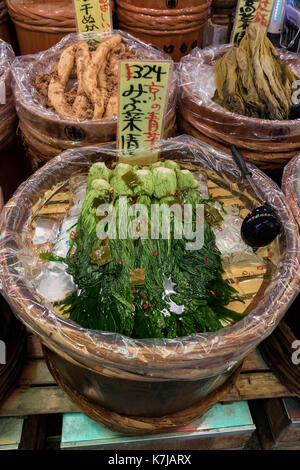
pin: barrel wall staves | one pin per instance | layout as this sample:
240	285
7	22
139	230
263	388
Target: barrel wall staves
174	26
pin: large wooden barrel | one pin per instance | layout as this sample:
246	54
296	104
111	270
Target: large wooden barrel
40	24
137	386
266	143
6	28
12	343
46	134
13	165
174	26
281	349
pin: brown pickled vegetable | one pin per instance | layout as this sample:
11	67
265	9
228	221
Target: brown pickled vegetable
94	95
252	81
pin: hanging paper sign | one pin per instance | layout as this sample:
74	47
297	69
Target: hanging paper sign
247	11
142	102
93	16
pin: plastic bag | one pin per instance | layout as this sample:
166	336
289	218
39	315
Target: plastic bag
49	133
207	118
7	109
188	358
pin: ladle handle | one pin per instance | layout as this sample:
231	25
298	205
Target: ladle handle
240	162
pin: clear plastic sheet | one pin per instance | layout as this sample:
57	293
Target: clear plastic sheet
7	110
46	125
189	358
196	89
291	186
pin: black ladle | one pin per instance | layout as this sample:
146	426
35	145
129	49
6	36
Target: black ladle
262	225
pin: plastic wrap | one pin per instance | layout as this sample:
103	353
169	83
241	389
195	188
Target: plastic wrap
189	358
196	89
45	127
7	110
291	186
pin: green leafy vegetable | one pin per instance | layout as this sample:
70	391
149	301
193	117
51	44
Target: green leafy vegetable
146	287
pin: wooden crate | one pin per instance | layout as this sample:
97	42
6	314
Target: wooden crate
278	423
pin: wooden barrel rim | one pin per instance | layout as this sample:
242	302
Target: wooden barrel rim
162	28
163	12
291	185
264	160
162	22
134	425
69	336
162	33
228	139
221	113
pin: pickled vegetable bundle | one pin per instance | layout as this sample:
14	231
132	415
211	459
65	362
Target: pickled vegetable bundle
137	284
83	84
251	80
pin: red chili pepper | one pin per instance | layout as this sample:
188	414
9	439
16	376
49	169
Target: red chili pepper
146	306
143	295
120	262
213	294
154	253
205	260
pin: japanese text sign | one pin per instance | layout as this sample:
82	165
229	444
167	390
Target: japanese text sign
143	93
93	16
247	11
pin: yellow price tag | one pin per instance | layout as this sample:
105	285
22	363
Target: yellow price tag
142	102
247	11
93	16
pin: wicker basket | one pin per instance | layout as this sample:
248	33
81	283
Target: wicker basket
266	143
113	374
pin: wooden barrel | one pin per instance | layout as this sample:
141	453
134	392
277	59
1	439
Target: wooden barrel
174	26
12	343
109	376
6	29
44	133
280	349
40	24
266	143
